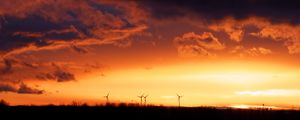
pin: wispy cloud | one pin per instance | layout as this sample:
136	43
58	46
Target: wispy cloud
193	45
271	92
241	51
22	89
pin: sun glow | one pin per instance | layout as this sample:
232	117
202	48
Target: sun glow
240	106
271	92
254	107
233	71
238	76
223	83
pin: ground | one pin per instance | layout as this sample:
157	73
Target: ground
145	113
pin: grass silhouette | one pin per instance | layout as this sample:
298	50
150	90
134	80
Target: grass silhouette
134	111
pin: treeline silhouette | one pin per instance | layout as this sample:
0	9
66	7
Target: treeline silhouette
132	111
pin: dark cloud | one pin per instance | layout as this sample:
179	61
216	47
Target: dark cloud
7	66
40	25
43	23
7	88
45	76
192	44
63	76
18	32
59	75
34	27
22	89
30	65
78	49
211	10
15	70
278	20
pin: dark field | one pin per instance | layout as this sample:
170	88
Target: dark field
144	113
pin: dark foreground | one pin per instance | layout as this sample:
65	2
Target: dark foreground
144	113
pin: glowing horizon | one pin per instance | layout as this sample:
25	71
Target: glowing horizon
56	52
208	81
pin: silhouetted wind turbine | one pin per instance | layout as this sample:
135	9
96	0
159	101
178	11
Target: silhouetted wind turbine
106	97
179	97
145	99
141	97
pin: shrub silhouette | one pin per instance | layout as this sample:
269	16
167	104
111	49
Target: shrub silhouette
3	103
134	111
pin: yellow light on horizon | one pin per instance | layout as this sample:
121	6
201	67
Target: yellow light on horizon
240	106
240	77
254	107
237	82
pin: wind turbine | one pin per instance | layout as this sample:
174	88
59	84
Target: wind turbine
106	97
141	97
179	97
145	99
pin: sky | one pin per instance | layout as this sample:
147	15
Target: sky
212	52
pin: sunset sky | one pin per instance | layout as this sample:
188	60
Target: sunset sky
213	52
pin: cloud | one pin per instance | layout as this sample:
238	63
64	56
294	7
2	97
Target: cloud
49	24
229	26
124	43
27	70
7	66
78	49
274	19
289	34
7	88
22	89
192	51
16	70
10	65
271	92
36	27
213	10
30	65
59	74
39	26
192	44
279	32
115	38
241	51
259	51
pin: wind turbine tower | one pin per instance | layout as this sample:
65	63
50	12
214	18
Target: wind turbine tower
145	99
107	98
141	97
179	98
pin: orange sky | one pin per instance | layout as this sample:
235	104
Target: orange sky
83	51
